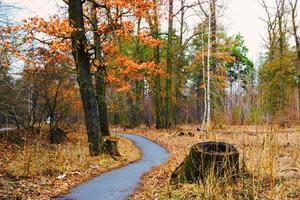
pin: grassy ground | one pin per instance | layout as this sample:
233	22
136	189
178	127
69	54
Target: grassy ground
269	160
37	170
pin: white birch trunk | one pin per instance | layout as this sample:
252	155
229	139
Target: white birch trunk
204	82
208	69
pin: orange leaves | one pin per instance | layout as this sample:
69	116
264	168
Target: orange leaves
110	78
126	71
4	65
117	82
6	45
97	62
128	63
116	3
60	46
53	47
124	30
148	40
224	56
103	28
142	8
151	68
128	68
115	25
60	26
110	49
124	87
9	29
135	71
55	26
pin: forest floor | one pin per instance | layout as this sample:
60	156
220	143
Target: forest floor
269	160
34	169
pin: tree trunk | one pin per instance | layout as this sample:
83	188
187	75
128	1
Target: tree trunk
100	78
132	112
101	101
109	146
84	77
156	54
297	43
158	103
168	114
204	84
207	159
178	82
208	117
138	84
213	26
56	135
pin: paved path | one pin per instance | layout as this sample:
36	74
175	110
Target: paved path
120	183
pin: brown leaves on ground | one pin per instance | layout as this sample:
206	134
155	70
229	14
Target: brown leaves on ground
38	170
269	156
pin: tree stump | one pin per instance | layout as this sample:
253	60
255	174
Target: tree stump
110	147
205	159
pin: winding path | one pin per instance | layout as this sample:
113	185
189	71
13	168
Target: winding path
120	183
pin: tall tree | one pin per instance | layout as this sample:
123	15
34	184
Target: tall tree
295	28
276	76
210	39
84	77
169	71
153	21
100	74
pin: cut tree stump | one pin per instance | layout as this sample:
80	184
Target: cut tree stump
110	147
206	159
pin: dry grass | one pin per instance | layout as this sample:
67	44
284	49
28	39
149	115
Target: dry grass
38	170
269	160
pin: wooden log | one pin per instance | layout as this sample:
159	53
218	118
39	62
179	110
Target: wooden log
205	159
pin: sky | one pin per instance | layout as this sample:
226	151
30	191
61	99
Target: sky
244	16
241	16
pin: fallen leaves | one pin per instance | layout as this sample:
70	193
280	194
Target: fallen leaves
58	170
155	184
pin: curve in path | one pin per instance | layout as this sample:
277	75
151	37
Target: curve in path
120	183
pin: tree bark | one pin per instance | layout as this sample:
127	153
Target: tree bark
179	81
208	117
100	78
213	25
156	54
101	101
280	6
295	27
168	113
138	84
158	102
204	83
84	77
